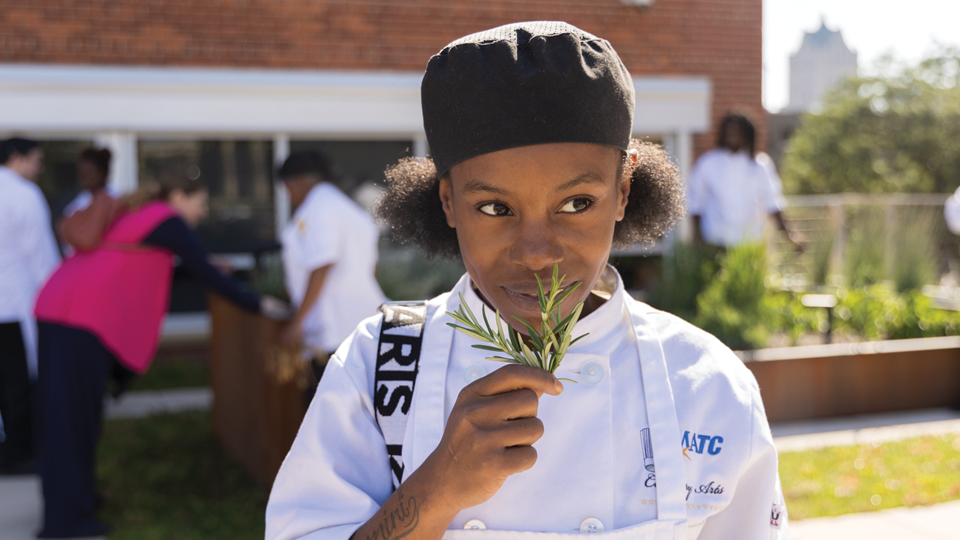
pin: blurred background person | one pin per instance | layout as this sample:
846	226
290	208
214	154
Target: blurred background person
93	169
100	315
330	259
731	189
28	254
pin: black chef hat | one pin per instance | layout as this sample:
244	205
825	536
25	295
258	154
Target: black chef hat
523	84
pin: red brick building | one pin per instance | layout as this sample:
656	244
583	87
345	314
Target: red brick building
716	39
224	88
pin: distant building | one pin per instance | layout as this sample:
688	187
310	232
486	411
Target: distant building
822	61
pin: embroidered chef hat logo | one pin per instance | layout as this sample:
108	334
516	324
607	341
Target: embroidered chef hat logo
647	449
524	84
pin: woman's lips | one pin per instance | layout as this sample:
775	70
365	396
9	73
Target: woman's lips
525	298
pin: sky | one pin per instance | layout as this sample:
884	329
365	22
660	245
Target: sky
907	28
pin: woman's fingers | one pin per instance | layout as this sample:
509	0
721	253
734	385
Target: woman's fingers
515	376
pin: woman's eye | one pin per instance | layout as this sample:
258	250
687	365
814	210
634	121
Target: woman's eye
495	209
576	205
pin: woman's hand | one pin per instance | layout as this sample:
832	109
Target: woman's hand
291	338
488	438
489	434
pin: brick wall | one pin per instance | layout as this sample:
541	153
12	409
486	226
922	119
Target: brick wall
719	39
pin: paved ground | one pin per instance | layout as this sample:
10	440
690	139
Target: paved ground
856	430
936	522
20	497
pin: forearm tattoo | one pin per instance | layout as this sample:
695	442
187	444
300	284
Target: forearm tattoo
399	522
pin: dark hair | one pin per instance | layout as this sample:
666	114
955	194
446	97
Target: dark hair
746	127
100	158
305	162
16	145
411	206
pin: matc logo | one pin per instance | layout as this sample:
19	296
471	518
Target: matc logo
693	442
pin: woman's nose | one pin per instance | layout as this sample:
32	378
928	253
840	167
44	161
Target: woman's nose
536	245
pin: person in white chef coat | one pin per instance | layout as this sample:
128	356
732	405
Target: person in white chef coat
28	254
329	257
413	433
732	189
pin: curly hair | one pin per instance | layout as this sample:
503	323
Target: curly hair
410	205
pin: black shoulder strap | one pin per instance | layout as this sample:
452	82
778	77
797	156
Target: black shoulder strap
398	362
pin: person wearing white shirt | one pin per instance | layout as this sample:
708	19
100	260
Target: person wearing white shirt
28	254
732	189
329	257
659	432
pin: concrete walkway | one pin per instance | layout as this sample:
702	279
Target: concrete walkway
935	522
20	501
865	429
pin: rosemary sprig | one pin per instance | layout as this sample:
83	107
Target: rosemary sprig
549	344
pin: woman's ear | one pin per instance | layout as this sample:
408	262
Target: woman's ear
446	199
623	190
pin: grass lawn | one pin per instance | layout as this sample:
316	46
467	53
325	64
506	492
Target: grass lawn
848	479
173	374
166	478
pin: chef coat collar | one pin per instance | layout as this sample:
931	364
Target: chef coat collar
604	320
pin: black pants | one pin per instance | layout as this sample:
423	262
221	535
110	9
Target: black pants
16	400
73	371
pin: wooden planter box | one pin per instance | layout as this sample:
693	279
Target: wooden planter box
254	417
844	379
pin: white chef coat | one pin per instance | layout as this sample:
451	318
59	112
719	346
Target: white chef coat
328	228
28	254
733	193
591	460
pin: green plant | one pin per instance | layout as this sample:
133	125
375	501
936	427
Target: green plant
897	131
915	234
686	272
733	306
268	275
864	251
405	274
549	344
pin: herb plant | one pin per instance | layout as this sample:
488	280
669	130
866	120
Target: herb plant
547	345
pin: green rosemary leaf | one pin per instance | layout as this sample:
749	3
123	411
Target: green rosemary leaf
487	348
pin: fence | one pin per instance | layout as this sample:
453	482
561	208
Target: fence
854	238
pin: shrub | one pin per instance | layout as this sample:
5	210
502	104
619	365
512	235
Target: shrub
733	306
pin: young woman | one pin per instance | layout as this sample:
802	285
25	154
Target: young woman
99	315
664	434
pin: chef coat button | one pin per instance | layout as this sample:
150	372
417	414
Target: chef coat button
591	525
474	523
591	372
473	373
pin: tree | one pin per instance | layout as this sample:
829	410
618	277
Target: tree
896	131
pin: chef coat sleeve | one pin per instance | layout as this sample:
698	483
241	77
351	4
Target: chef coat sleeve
39	246
336	475
695	187
757	510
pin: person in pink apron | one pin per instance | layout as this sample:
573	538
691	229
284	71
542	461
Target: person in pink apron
100	314
414	433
